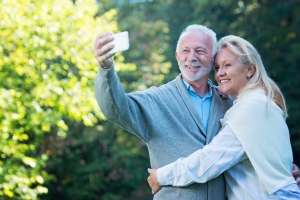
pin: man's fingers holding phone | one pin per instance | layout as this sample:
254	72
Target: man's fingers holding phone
101	47
107	44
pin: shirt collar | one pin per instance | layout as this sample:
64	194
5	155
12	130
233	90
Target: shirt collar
189	87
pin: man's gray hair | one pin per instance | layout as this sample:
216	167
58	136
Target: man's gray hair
203	29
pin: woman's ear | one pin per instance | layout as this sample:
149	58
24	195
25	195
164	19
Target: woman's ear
251	71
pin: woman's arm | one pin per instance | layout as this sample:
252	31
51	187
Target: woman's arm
203	165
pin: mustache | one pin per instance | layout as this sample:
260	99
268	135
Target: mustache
193	64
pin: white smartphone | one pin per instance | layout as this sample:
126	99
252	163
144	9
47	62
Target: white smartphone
121	42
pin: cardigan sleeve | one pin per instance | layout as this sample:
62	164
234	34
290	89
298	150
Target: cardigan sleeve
119	107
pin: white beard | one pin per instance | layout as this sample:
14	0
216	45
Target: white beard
194	77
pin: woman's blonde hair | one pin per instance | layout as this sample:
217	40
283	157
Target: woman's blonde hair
260	79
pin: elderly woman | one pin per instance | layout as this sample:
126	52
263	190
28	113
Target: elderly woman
253	147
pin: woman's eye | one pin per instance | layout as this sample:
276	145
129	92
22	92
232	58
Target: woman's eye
216	68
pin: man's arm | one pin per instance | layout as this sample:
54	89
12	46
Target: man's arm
129	111
107	84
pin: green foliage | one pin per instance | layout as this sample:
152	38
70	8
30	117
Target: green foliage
47	73
149	40
101	162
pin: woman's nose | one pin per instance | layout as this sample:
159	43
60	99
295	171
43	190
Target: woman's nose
220	72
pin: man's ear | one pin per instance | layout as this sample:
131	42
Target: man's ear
176	54
251	71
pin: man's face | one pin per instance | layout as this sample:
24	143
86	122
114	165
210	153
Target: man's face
194	56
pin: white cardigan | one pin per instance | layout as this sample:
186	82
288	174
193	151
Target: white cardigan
261	129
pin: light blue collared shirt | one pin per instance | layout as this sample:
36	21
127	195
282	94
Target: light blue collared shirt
202	104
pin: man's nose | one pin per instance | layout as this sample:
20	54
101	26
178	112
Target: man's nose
192	56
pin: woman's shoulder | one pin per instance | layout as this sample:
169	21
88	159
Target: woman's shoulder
253	94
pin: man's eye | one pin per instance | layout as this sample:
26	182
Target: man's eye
227	65
200	51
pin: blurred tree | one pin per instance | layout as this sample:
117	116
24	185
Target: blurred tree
99	162
49	117
149	41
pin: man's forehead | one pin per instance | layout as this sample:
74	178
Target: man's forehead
195	39
195	33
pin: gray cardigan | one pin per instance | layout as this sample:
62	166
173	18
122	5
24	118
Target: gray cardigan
166	119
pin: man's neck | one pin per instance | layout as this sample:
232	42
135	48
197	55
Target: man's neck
200	86
201	89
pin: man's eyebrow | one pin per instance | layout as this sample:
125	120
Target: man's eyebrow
201	47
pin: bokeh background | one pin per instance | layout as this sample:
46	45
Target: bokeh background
54	141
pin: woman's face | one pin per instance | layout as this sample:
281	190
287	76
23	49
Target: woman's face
230	73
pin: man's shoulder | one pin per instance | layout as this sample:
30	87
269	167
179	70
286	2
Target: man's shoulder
160	91
171	85
221	101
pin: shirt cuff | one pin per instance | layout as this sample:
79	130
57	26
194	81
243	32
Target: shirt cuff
160	178
165	175
107	67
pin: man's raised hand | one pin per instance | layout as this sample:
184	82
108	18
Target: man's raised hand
100	49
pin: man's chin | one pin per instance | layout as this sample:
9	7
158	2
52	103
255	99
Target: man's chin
192	78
